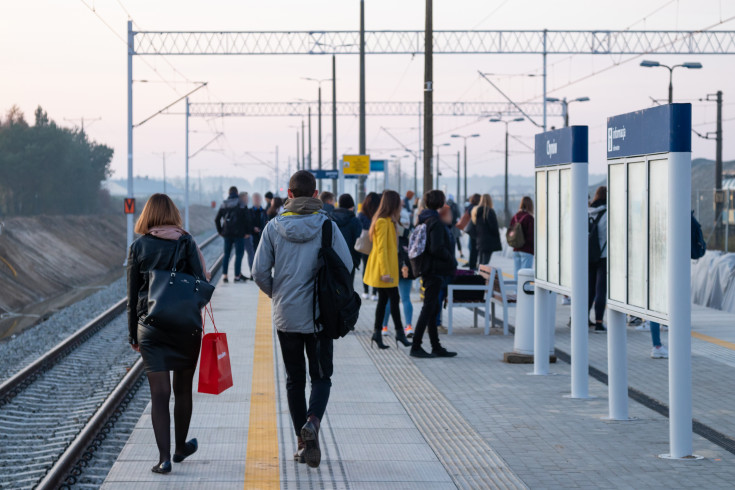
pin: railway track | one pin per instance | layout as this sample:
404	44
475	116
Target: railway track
54	411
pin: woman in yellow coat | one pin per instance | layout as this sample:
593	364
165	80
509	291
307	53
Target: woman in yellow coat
381	271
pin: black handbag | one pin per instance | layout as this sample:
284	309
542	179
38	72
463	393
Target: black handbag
176	299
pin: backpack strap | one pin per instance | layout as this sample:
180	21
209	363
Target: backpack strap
327	234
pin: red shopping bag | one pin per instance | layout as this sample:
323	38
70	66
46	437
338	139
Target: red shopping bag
215	373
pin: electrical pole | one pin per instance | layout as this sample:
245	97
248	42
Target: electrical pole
81	121
303	148
298	161
310	147
458	175
163	154
465	172
319	134
505	198
438	168
277	176
428	97
334	121
186	185
362	146
718	170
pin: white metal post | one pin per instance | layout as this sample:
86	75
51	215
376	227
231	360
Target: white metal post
541	331
580	329
130	217
341	167
544	77
186	165
679	289
617	365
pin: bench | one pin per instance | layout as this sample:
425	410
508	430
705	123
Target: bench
496	290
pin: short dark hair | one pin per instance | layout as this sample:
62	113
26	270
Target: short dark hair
326	196
346	201
269	195
434	199
302	184
233	190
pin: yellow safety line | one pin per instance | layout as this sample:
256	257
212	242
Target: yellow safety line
714	340
261	458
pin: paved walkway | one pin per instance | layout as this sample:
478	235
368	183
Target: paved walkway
468	422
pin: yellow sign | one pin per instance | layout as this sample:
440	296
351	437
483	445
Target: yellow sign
356	164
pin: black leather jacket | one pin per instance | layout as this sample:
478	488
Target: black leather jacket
149	253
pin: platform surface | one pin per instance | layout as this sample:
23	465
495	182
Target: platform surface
468	422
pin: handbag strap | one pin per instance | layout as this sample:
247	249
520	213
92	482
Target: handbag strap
208	312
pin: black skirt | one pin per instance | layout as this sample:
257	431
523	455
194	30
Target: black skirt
164	350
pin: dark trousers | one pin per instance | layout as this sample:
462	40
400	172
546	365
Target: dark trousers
385	294
364	269
250	250
319	352
598	288
427	319
484	257
239	244
472	264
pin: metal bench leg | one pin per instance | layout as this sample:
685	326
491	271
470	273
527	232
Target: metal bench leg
505	319
487	319
451	310
474	313
492	317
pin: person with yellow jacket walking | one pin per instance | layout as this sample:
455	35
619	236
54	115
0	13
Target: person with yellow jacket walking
381	271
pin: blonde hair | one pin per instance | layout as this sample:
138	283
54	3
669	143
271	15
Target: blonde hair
390	207
486	203
160	210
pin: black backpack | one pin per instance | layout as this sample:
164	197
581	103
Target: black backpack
699	246
233	217
339	304
593	237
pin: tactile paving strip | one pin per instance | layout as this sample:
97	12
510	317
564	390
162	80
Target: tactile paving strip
468	459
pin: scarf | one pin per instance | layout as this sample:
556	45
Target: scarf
302	205
173	232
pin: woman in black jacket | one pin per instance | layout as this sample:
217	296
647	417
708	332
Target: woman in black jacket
487	229
438	265
164	349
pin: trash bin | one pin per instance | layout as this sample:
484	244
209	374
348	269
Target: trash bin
523	337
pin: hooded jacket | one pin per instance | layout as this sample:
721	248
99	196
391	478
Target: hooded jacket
594	211
439	252
285	264
243	224
351	228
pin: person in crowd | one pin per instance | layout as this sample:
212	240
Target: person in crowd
327	199
465	224
232	222
445	215
406	279
486	229
407	201
597	213
249	230
275	208
381	271
369	206
417	210
268	200
258	214
350	227
438	264
658	351
523	256
456	232
285	266
165	348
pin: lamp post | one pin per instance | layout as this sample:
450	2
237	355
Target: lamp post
465	138
319	121
691	65
438	164
506	212
163	154
565	106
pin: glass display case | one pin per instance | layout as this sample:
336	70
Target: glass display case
616	247
637	234
658	233
565	224
552	221
540	220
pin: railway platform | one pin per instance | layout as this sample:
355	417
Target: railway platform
466	422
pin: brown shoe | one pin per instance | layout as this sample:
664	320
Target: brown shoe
310	435
299	454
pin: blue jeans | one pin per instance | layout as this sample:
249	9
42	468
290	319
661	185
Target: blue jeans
521	260
239	244
655	333
250	251
404	288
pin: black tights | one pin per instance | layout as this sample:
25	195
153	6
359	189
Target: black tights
385	294
160	416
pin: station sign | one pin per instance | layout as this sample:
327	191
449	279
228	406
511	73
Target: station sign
356	164
329	174
377	165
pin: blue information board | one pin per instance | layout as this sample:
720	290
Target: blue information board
330	174
661	129
562	146
377	165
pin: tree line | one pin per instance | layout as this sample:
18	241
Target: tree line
49	169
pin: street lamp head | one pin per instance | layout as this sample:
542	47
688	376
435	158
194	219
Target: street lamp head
582	99
650	64
552	99
518	119
476	135
495	119
455	136
692	65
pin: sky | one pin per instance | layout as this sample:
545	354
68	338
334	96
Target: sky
70	58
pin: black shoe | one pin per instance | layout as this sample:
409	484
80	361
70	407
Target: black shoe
442	352
599	328
310	435
162	468
421	353
190	448
378	339
240	278
224	279
401	337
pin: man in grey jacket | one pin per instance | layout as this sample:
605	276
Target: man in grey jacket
289	248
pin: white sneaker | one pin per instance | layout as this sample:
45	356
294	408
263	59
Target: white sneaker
659	352
365	295
566	300
374	297
643	327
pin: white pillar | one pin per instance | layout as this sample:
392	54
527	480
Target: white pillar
580	287
679	290
617	365
541	331
186	164
130	217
